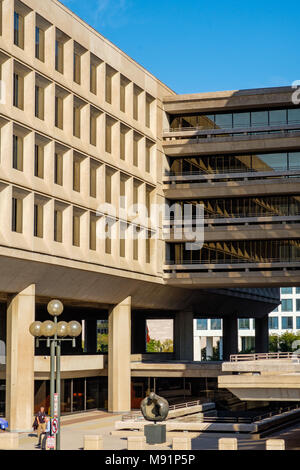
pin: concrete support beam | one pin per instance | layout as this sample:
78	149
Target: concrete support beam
230	336
181	443
92	442
184	334
275	444
136	443
20	361
262	334
119	345
226	443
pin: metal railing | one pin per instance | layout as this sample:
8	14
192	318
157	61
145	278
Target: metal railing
217	215
136	415
236	126
230	261
247	419
234	134
226	171
264	356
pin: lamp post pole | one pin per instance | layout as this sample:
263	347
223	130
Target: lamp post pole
55	334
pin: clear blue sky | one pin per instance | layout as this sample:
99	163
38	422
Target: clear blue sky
201	45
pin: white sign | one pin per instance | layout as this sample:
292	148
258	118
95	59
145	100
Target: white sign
54	425
50	442
55	411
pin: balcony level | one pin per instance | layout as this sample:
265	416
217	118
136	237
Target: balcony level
182	142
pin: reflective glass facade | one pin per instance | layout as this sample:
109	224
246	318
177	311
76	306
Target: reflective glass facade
252	251
277	161
244	119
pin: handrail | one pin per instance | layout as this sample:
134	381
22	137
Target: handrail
264	356
178	406
224	127
217	215
227	261
229	170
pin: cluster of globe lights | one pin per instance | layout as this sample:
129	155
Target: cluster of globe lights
49	328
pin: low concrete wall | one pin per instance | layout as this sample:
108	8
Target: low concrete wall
9	440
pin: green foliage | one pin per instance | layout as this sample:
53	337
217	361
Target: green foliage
102	343
156	346
283	342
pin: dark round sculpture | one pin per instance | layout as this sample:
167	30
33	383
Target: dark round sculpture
154	408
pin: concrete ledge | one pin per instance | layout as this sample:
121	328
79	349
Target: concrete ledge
9	440
174	425
136	442
227	443
93	442
181	443
275	444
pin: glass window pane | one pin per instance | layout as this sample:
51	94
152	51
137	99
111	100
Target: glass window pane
287	305
259	118
244	323
294	116
298	305
272	161
215	324
287	323
278	117
294	160
298	323
297	290
224	121
286	290
273	323
241	119
202	324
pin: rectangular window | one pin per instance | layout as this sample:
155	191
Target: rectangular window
108	85
39	161
93	78
215	324
58	222
148	247
298	323
123	132
136	243
39	102
18	30
108	135
93	128
202	324
123	227
297	290
76	121
149	100
287	323
38	220
297	305
273	323
76	230
286	290
58	169
78	51
287	305
148	201
93	180
76	174
108	237
244	323
148	157
18	91
17	153
39	44
108	183
136	139
136	92
17	215
93	226
59	56
123	84
59	112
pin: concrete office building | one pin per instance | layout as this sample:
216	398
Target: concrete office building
87	133
285	317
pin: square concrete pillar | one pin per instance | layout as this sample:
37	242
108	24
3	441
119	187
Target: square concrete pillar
184	336
136	443
20	361
275	444
182	443
119	350
9	440
226	443
262	334
230	336
92	442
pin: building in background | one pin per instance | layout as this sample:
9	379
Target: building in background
208	331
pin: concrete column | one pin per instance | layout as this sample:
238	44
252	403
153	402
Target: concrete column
230	336
209	346
119	342
91	335
20	361
184	334
262	334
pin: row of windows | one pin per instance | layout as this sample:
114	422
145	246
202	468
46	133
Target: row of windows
234	163
78	52
289	290
59	233
127	140
287	305
244	119
39	165
287	323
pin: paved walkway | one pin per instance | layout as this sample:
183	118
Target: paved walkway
74	428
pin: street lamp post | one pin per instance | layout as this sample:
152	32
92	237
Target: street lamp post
55	332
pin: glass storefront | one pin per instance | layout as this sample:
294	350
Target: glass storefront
77	395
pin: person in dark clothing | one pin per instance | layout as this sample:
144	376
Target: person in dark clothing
46	433
41	417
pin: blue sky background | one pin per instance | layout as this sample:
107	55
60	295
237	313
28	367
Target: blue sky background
197	46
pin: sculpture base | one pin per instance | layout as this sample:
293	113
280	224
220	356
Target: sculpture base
155	433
